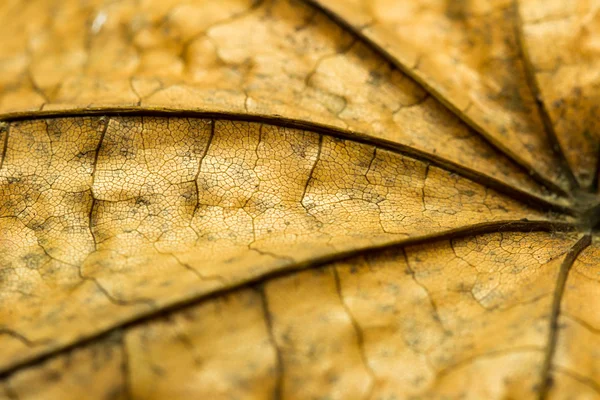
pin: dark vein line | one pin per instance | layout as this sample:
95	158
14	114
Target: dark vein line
200	161
594	186
373	157
132	87
437	95
126	369
360	339
561	281
310	174
491	354
579	378
16	335
581	322
590	219
93	174
542	110
149	303
6	130
432	303
193	270
279	369
286	270
100	141
426	175
269	253
516	193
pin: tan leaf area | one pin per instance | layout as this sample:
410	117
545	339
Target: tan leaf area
288	199
270	58
562	41
436	326
93	372
467	54
578	347
129	214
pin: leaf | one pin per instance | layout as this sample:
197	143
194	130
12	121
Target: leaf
277	199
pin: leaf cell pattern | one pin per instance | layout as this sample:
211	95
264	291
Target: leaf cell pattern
299	199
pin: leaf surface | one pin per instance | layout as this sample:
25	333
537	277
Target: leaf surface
562	49
298	64
280	199
468	55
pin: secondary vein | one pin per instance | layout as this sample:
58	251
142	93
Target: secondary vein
561	281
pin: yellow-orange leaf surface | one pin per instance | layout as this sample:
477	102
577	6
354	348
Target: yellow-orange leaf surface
299	199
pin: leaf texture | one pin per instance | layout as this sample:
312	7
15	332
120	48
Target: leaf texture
467	54
298	200
298	64
566	76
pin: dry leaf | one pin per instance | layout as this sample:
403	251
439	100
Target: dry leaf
299	199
